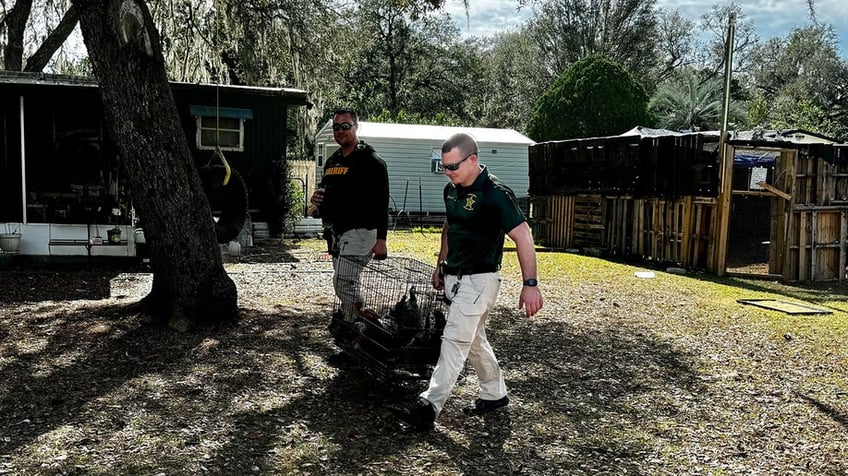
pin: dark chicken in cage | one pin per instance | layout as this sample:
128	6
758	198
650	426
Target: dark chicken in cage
388	316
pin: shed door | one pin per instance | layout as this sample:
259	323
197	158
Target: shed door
751	237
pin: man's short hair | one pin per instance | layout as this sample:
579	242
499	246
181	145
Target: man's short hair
462	141
347	110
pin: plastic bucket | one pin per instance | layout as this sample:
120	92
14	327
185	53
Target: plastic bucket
10	242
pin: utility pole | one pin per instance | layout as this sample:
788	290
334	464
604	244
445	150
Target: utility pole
726	158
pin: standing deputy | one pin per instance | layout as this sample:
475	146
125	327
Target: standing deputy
480	210
353	202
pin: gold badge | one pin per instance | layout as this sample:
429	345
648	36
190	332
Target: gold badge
469	202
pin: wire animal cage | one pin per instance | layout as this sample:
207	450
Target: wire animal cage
388	316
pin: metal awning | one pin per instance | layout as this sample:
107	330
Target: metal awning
212	111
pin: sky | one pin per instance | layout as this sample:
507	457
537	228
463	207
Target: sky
771	18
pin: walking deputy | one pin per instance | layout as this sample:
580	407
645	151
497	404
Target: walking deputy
480	210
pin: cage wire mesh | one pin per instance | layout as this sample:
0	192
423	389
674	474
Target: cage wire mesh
388	316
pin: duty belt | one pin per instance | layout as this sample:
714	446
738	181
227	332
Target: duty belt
461	271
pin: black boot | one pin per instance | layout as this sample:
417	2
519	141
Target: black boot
420	416
482	407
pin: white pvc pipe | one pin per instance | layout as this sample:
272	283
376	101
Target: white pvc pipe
23	166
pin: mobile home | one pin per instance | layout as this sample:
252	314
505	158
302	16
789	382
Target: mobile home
61	185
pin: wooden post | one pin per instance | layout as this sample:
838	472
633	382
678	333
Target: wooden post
790	170
802	247
568	231
656	245
812	180
625	222
723	209
667	230
687	260
814	237
822	192
843	233
639	227
727	155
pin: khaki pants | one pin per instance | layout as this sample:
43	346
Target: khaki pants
465	338
353	248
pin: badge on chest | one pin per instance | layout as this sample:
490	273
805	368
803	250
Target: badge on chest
470	201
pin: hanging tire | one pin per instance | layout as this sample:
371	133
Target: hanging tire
228	202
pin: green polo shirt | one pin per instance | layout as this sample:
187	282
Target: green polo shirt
478	217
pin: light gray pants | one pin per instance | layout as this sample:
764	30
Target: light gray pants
465	338
353	247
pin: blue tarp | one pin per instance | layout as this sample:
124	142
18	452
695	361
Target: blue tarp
749	160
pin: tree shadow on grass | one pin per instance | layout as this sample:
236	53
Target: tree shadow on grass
816	293
598	390
145	398
258	397
46	284
580	402
63	361
828	410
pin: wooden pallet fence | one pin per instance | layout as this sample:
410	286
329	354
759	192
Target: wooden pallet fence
618	233
669	199
676	231
816	246
589	221
553	220
810	244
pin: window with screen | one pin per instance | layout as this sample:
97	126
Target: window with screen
220	126
225	132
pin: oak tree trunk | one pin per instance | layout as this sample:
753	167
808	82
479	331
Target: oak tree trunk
190	285
16	20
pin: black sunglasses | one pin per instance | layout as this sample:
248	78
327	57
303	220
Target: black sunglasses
455	166
345	126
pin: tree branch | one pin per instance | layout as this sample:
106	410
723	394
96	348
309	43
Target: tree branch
16	20
53	42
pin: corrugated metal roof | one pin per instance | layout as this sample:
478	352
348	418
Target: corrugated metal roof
643	132
46	79
440	133
794	136
20	77
649	132
252	89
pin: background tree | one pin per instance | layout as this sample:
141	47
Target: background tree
688	102
712	55
516	77
624	31
408	63
675	45
594	97
188	39
786	112
801	79
56	20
